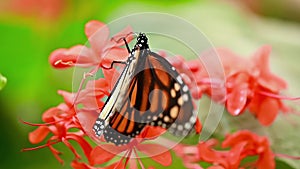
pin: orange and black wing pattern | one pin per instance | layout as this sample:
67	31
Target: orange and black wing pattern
156	96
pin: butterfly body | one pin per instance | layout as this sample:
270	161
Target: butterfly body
149	91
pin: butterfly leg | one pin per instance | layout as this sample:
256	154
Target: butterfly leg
112	64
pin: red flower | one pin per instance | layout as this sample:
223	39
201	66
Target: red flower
106	152
254	89
58	121
253	145
241	144
103	49
83	107
249	84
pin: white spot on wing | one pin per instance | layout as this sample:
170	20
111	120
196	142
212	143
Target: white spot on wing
179	79
187	125
185	97
185	88
179	127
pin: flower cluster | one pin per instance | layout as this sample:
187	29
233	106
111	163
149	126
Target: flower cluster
249	84
239	146
72	120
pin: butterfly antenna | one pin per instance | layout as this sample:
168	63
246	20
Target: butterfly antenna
124	39
128	49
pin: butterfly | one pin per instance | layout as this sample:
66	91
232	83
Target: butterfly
149	92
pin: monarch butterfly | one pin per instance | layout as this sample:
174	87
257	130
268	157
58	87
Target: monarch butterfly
149	91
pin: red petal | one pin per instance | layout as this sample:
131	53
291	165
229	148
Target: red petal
266	160
68	144
238	137
267	79
39	134
100	156
194	65
231	62
207	154
114	54
93	26
58	59
98	84
132	163
112	76
157	152
63	107
68	97
97	33
268	111
104	153
115	165
261	57
198	126
77	165
216	167
49	115
176	61
87	120
234	155
78	55
151	132
237	99
86	147
196	92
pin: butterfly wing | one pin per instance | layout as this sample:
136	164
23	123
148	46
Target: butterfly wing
156	96
149	92
178	113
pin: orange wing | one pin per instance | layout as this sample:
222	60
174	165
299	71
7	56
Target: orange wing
156	96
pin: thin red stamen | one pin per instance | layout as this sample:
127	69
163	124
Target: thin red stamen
127	158
275	96
41	124
138	158
67	143
85	75
126	153
39	147
288	156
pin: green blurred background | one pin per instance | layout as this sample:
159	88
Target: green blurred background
31	29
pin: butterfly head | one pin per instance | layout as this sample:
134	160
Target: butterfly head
142	41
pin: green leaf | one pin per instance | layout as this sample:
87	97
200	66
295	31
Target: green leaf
3	81
282	164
